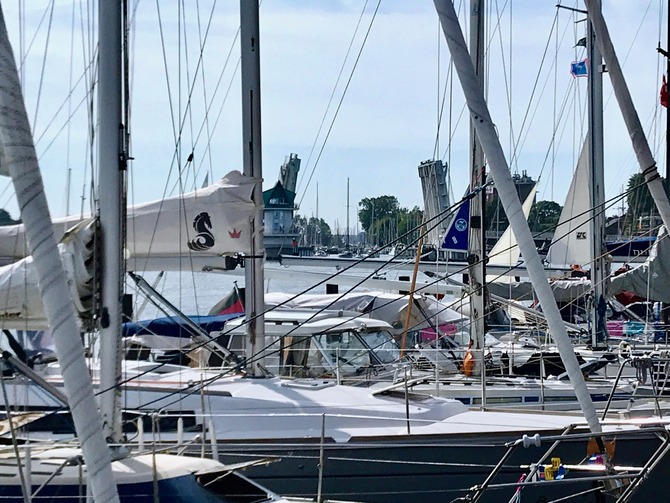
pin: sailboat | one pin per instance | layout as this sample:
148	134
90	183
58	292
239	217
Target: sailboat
85	470
314	437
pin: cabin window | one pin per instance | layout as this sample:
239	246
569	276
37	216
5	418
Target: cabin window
294	352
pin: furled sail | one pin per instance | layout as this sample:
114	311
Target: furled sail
188	232
21	305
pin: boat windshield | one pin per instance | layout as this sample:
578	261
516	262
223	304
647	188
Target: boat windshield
383	345
346	346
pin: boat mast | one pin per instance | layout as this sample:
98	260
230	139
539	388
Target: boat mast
318	222
251	156
19	160
635	131
111	165
597	182
498	167
477	231
347	241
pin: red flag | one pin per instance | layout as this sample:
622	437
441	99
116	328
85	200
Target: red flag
233	303
664	93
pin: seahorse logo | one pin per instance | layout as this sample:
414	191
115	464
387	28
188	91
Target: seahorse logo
204	240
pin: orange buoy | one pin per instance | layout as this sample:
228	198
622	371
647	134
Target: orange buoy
468	361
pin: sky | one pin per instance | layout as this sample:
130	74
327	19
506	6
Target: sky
361	91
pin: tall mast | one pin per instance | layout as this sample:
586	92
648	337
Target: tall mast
499	169
631	119
477	231
597	187
251	156
19	160
111	166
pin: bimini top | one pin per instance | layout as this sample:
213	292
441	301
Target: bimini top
310	321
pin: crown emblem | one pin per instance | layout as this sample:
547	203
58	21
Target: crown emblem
235	234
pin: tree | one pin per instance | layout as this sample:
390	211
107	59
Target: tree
409	221
313	231
544	216
6	218
322	231
375	209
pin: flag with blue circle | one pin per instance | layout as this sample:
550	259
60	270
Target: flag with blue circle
456	237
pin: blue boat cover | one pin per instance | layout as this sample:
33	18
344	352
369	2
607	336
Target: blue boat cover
175	326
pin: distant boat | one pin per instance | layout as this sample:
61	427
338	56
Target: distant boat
634	249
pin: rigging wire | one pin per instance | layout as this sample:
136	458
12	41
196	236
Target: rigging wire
167	78
523	130
332	94
339	105
196	388
68	181
44	64
438	218
208	151
89	53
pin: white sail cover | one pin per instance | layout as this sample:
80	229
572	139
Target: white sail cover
21	306
183	232
571	243
189	232
210	222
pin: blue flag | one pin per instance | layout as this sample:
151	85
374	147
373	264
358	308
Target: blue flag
579	68
456	237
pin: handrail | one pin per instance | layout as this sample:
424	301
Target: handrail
624	480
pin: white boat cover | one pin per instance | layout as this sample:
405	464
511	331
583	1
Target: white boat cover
565	290
388	307
650	279
173	233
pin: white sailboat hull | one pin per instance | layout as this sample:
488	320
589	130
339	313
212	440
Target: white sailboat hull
372	451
